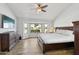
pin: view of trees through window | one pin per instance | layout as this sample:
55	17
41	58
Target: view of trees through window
35	27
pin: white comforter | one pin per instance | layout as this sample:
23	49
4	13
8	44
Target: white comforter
49	38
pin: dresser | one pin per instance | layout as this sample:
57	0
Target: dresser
76	37
8	40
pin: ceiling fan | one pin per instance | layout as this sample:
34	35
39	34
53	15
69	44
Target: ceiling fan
40	7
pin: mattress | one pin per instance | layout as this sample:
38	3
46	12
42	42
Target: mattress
50	38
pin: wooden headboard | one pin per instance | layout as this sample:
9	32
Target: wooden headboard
65	28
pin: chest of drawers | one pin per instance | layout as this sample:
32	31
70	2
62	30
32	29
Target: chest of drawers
8	41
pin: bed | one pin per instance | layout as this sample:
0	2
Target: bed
63	38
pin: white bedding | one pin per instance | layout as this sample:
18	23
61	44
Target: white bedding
49	38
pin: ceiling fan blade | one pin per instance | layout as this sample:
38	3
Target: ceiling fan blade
44	6
43	10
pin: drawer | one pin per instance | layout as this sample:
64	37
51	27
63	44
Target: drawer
12	41
12	45
12	37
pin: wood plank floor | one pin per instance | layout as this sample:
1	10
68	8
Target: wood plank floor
30	47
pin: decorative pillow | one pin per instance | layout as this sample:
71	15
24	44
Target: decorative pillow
51	30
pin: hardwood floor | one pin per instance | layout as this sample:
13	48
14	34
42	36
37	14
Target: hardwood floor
30	47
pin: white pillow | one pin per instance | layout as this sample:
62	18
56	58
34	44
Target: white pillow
69	32
59	31
66	32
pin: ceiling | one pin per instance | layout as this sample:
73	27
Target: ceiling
27	10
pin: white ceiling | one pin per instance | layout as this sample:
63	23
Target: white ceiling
27	10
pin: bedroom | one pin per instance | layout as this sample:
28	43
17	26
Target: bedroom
35	27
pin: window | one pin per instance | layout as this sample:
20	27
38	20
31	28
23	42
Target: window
8	25
35	28
25	28
45	27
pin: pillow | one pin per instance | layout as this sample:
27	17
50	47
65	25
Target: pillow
69	32
65	32
59	31
51	30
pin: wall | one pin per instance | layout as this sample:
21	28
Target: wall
5	10
68	16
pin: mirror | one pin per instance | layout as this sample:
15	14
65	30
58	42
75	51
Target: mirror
7	22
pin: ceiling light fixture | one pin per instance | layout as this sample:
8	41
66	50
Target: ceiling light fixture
40	7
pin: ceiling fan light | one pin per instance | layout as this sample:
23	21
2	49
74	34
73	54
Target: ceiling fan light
39	10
